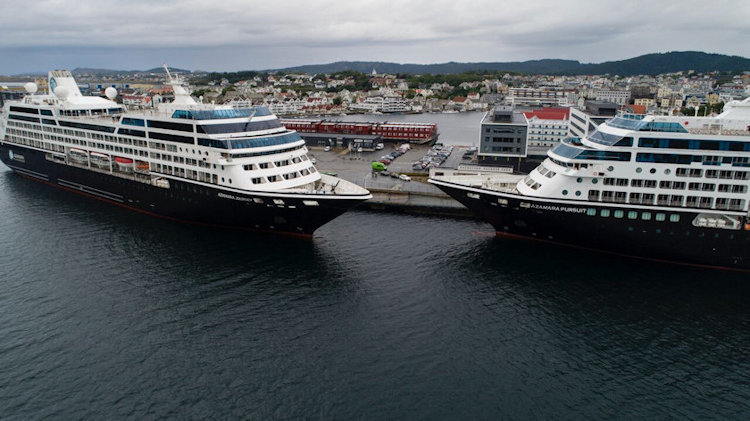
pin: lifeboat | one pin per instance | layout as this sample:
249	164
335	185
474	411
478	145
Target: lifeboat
78	155
124	164
100	159
141	166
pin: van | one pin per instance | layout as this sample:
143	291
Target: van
378	166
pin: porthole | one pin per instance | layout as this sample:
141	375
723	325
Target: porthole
595	180
222	179
565	192
639	170
579	179
578	192
610	168
652	171
667	171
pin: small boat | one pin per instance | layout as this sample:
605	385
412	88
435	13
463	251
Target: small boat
141	166
100	159
78	155
124	164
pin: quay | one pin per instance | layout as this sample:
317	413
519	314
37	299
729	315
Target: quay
390	193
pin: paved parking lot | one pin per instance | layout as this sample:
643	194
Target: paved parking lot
357	167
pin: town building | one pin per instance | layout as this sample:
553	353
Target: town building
586	120
503	136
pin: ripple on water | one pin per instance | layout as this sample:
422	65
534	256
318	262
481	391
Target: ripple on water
107	313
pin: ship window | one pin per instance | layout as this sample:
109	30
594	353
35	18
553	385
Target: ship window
170	126
129	132
46	112
23	118
660	217
310	202
171	137
133	121
591	212
619	214
674	217
25	110
604	213
632	215
646	216
213	143
247	126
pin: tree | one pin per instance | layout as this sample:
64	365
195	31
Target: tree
337	100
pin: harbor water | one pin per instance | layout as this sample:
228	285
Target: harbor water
109	314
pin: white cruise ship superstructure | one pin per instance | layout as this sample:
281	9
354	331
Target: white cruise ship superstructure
671	188
202	163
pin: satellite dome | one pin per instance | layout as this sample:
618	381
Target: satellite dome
31	87
62	92
110	92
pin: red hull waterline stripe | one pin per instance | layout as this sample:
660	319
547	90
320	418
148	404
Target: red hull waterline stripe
613	253
169	218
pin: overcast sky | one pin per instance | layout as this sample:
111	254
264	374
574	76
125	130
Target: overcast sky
226	35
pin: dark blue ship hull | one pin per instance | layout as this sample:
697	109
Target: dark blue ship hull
183	200
625	230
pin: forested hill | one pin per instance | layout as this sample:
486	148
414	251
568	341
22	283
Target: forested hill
645	64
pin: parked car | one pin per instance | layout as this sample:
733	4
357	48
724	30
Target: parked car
326	149
379	146
385	161
404	177
394	175
379	166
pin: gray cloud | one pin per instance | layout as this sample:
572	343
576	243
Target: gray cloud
132	34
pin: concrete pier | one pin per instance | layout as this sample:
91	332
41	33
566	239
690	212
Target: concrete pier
389	193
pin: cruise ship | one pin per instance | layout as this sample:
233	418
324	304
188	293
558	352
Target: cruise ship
201	163
666	188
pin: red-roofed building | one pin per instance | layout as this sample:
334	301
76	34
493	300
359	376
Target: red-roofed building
546	127
637	109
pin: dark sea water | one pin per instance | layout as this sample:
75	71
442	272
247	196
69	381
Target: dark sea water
108	314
